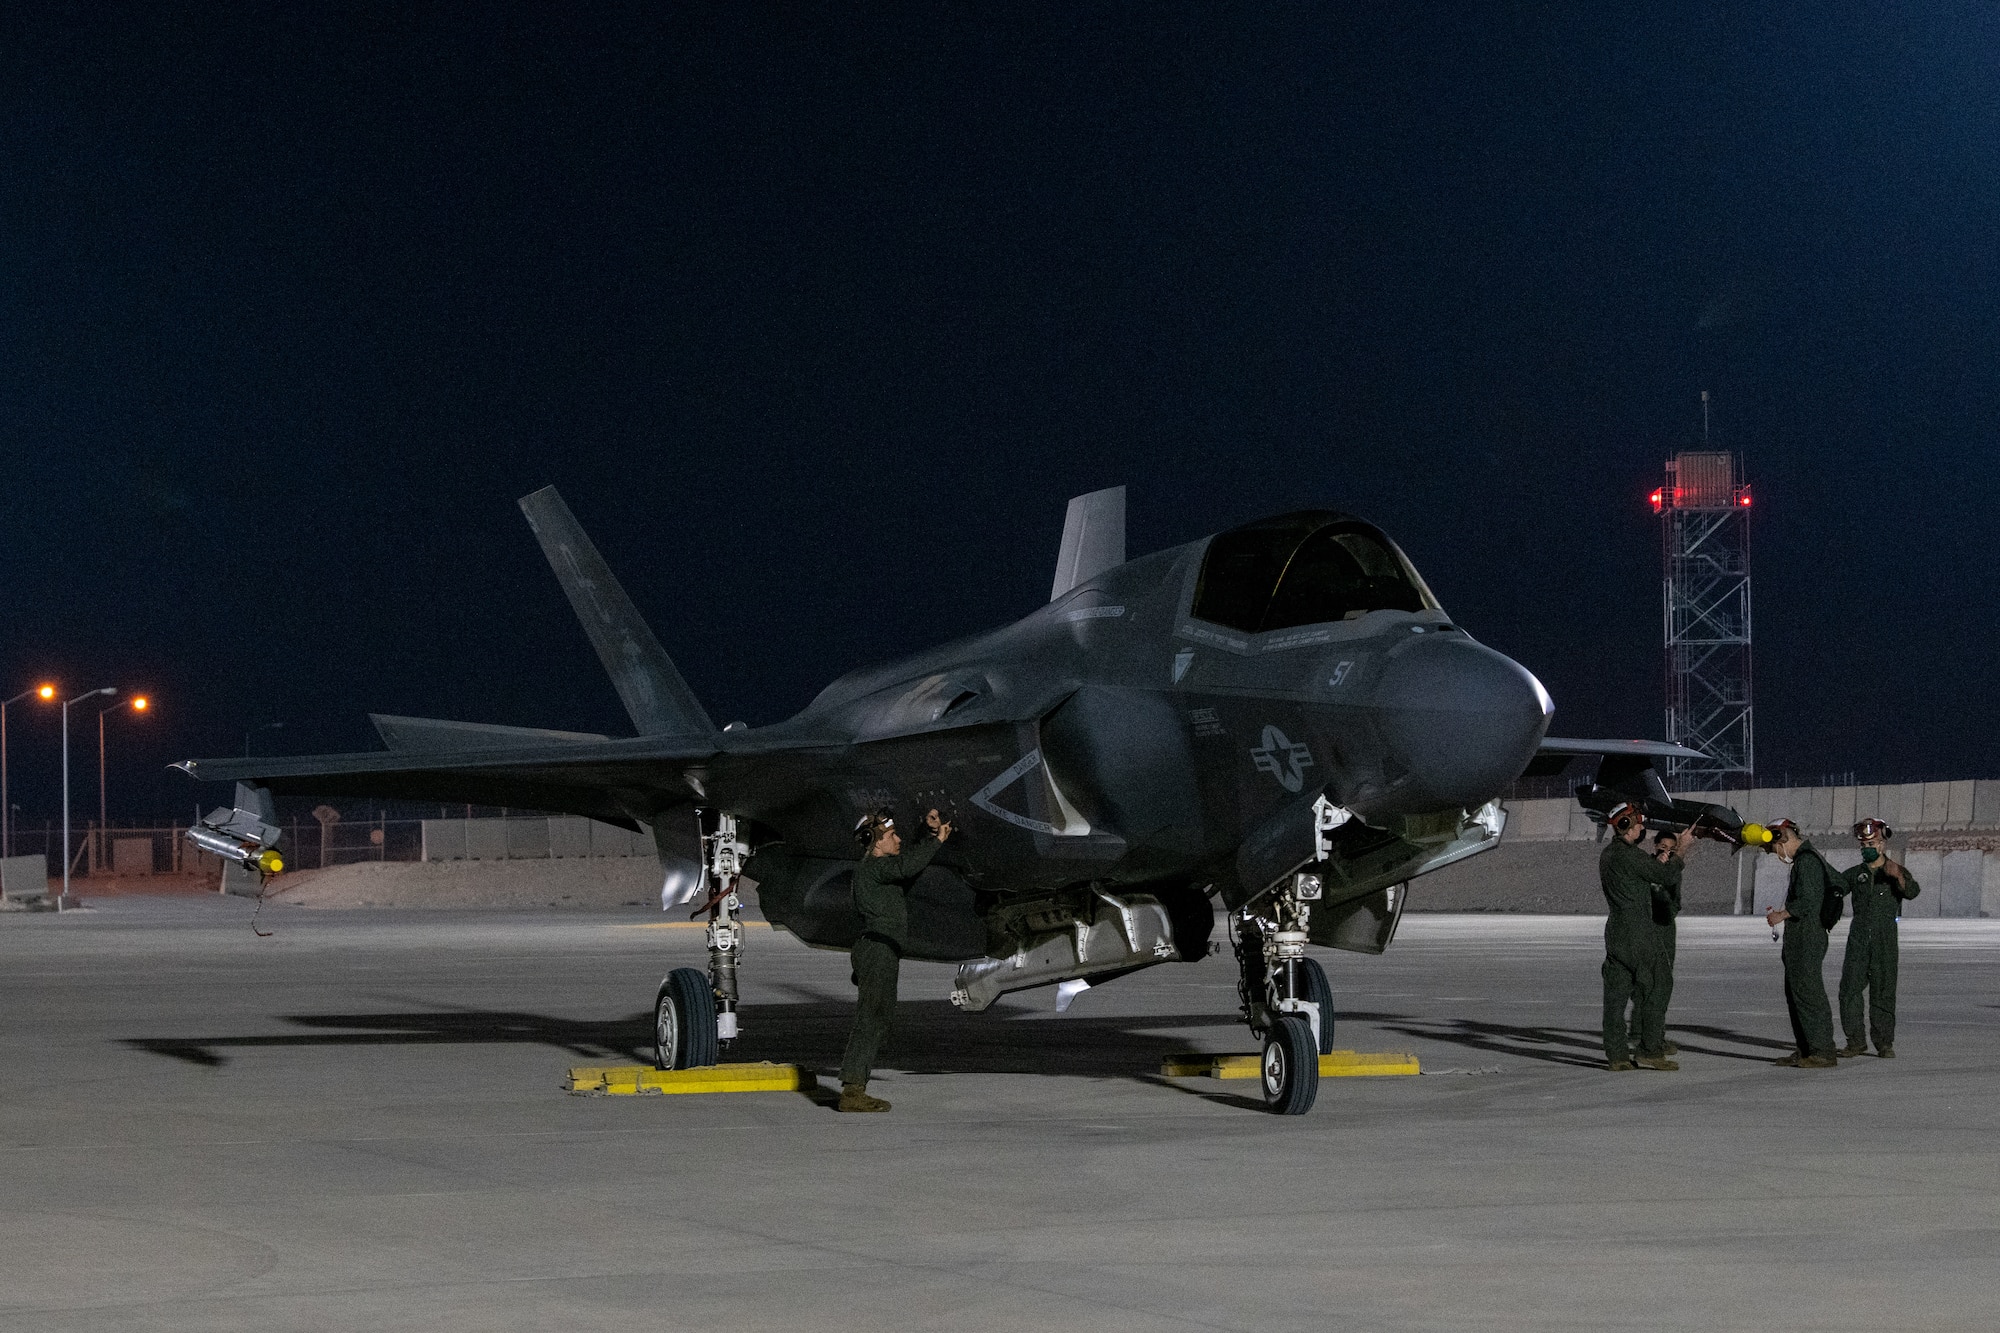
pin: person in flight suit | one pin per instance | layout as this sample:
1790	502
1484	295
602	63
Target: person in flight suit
1666	911
1812	906
1633	964
1877	887
879	882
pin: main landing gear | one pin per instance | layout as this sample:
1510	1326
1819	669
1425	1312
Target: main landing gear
1286	999
694	1015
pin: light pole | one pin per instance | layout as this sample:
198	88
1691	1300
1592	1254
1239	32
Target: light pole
44	693
87	694
138	705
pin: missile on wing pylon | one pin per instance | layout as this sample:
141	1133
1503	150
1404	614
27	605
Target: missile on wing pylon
246	834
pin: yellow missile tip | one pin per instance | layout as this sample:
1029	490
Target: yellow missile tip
270	863
1756	833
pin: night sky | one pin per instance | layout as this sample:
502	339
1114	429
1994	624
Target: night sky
818	318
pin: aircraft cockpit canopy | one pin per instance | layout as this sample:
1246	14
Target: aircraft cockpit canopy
1306	568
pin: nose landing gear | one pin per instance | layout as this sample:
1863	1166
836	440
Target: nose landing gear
1286	999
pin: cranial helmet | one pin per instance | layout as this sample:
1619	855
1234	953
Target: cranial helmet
1624	815
1873	828
872	826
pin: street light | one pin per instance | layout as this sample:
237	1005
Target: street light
44	693
137	704
87	694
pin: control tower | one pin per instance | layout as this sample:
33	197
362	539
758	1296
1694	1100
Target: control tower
1704	509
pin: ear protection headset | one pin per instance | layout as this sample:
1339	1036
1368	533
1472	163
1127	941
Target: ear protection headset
1873	828
1624	817
872	826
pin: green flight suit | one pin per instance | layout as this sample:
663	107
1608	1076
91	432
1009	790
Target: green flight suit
1813	899
1869	966
1666	933
1634	965
879	882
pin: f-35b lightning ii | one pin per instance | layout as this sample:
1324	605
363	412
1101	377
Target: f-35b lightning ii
1281	717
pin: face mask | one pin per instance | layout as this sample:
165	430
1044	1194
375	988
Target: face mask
1870	855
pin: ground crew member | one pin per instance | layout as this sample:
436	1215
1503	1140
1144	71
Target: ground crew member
886	870
1877	887
1666	911
1812	906
1633	964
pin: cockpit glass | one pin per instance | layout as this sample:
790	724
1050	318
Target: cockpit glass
1302	569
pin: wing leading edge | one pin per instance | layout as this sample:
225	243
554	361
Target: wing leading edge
1652	749
601	779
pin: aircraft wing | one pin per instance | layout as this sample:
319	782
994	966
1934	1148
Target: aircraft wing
581	777
1555	752
1566	745
1627	776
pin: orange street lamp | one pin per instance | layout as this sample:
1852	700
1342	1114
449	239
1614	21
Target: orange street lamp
87	694
44	693
138	705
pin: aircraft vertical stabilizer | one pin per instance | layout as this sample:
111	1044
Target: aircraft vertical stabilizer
660	702
1093	538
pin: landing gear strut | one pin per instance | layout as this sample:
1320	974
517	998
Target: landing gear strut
694	1016
725	857
1286	1000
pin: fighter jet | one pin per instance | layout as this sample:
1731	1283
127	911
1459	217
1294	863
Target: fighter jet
1280	719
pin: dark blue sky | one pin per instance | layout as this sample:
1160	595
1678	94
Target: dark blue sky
817	319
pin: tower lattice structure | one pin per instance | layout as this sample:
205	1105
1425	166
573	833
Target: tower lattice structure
1705	527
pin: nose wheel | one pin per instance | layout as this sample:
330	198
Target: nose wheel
1291	1067
1316	988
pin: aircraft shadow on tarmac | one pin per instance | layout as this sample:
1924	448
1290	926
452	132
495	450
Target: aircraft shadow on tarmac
931	1037
1581	1047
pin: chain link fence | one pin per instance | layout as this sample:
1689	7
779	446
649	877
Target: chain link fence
316	842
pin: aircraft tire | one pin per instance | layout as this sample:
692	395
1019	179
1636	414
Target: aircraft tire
1320	993
1291	1067
684	1021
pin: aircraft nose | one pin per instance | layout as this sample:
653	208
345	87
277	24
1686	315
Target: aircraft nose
1459	720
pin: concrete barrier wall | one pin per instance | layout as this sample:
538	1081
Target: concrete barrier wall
535	839
24	877
1909	807
1955	883
1560	875
1960	883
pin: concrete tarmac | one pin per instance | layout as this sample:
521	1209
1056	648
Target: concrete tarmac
356	1124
